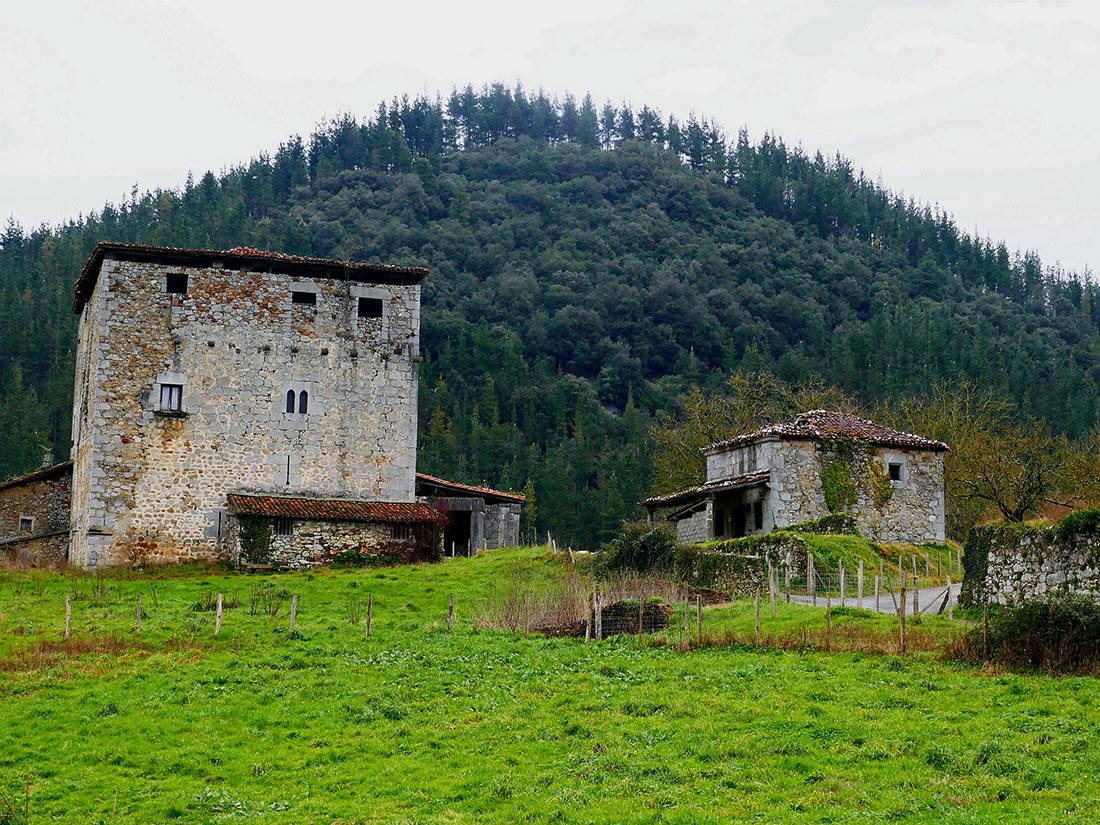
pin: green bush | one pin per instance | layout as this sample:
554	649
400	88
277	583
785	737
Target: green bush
1080	523
642	547
1058	635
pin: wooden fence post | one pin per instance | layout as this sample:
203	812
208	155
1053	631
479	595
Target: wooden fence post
828	621
698	620
758	617
859	585
599	613
293	611
843	582
787	577
139	613
218	615
811	576
878	589
916	596
370	614
901	616
950	604
450	612
589	606
68	616
773	585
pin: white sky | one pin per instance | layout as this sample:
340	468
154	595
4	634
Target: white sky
991	110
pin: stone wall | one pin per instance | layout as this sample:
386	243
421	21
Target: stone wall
313	543
34	516
502	525
1006	565
908	510
697	527
150	483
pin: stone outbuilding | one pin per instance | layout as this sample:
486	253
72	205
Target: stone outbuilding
34	516
206	373
478	518
819	462
292	532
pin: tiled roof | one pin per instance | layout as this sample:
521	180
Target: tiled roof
237	257
56	471
726	484
817	425
334	509
454	486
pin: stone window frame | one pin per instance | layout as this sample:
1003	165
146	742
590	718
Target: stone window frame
26	524
304	395
359	291
168	380
891	461
303	288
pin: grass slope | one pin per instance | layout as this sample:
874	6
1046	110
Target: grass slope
420	725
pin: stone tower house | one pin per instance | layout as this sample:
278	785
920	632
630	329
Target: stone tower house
203	373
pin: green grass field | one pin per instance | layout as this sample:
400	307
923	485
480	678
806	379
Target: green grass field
418	724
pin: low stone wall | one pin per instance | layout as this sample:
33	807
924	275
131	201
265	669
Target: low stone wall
1008	564
316	542
44	550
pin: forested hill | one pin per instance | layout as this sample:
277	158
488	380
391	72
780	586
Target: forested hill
588	267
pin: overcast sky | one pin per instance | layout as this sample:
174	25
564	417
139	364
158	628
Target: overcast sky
991	110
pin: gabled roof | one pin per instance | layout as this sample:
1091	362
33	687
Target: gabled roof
821	425
703	490
236	258
332	509
44	474
424	480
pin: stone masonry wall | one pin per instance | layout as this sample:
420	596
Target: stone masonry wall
914	511
45	502
150	485
1031	565
502	525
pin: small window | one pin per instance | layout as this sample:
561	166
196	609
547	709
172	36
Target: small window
26	524
303	402
895	471
719	522
370	307
175	284
171	397
283	527
758	514
290	401
308	298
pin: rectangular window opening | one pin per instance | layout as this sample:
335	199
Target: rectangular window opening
171	397
758	514
895	471
370	307
283	527
305	298
26	524
175	284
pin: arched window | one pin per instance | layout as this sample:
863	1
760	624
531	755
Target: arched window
303	402
290	401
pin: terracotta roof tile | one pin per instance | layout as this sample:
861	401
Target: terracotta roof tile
335	509
469	488
817	425
56	471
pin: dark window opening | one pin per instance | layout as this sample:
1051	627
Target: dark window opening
370	307
303	402
895	471
175	284
304	298
758	514
171	397
26	524
290	401
283	527
719	523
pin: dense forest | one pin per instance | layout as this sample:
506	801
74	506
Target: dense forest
590	267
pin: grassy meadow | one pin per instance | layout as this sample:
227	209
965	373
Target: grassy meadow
421	724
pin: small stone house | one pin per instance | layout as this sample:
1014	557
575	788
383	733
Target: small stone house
819	462
478	518
34	516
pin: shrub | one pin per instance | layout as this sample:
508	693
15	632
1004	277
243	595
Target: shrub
1058	635
1080	523
642	547
834	524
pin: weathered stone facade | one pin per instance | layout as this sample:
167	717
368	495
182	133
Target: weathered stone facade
1021	564
890	482
201	372
34	516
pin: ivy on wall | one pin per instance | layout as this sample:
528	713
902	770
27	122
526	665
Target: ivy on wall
254	535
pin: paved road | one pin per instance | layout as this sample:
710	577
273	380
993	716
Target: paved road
887	605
